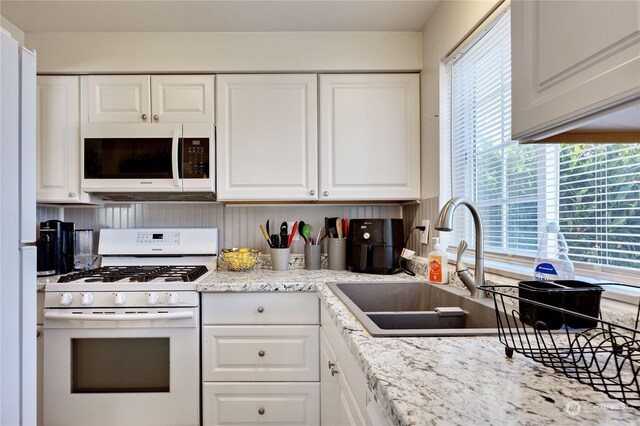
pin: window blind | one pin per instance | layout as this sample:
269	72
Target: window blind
591	191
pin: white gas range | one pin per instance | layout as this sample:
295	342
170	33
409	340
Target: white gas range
121	342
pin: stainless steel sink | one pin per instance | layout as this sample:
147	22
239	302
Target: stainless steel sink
397	308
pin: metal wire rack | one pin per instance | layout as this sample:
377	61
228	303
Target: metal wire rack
605	356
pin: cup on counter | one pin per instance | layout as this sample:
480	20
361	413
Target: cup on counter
83	253
312	257
280	259
337	253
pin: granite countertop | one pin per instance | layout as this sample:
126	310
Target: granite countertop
451	380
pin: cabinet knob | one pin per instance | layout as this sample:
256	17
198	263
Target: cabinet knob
71	194
325	193
261	354
261	411
260	309
331	365
334	371
144	117
156	117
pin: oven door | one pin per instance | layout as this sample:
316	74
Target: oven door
121	367
128	157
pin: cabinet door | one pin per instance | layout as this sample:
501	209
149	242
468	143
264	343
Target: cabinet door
369	137
266	137
260	353
58	139
571	59
328	384
348	412
182	98
118	98
261	403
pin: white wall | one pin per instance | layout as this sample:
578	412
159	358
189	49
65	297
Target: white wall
226	52
15	32
449	25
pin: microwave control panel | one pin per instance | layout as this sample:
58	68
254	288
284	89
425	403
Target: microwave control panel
195	158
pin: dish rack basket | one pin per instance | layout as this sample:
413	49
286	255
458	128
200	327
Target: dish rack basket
605	356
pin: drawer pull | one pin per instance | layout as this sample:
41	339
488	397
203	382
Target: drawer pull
261	354
260	309
331	365
261	411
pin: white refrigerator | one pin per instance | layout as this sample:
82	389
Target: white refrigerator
18	282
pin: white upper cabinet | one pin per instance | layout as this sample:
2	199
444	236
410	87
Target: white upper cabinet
150	99
571	60
118	98
182	98
267	137
58	140
369	137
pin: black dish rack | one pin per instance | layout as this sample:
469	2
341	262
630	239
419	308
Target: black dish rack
605	356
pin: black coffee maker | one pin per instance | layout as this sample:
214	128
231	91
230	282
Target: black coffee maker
375	245
56	247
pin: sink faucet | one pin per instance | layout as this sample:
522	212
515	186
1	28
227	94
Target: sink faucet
445	223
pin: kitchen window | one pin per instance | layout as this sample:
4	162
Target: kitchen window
591	190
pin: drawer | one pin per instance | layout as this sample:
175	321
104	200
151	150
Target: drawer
261	403
260	308
272	353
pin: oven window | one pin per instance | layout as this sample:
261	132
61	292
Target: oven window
120	365
133	158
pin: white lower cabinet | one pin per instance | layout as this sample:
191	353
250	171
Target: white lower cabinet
344	397
260	357
261	403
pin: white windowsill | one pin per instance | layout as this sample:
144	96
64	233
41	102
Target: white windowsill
625	295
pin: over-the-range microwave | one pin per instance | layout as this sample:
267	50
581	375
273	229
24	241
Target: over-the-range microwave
164	161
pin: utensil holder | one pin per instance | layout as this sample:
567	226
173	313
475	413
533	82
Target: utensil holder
337	254
312	257
280	259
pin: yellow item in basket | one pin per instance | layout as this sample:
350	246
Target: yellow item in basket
240	259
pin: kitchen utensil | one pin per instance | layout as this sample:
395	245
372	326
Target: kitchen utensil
306	232
265	234
330	226
284	235
275	241
301	231
241	259
339	227
345	227
322	234
294	229
268	232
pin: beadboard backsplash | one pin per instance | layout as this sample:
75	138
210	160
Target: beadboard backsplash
238	225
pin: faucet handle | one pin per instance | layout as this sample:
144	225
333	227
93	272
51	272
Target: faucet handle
460	266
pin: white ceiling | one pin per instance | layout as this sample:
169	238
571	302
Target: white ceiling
218	15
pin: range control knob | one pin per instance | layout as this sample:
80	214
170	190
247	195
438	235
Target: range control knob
152	298
86	298
65	299
119	298
173	298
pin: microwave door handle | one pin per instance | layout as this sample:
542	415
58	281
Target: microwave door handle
174	158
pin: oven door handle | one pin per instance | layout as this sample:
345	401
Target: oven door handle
174	158
118	317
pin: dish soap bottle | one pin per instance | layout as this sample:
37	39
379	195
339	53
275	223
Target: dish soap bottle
552	259
437	263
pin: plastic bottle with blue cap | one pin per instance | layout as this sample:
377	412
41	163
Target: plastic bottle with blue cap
552	260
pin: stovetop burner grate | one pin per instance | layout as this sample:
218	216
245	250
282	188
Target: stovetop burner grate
110	274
